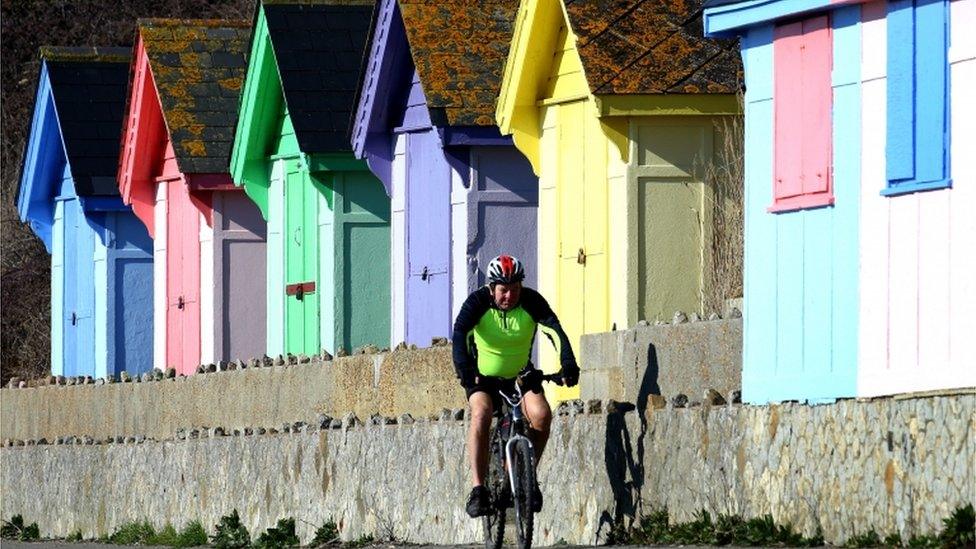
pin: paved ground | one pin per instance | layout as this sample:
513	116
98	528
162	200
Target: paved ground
7	544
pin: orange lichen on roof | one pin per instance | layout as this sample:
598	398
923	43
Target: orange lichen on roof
85	54
651	46
197	67
459	48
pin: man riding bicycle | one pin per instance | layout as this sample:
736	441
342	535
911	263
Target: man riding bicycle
493	337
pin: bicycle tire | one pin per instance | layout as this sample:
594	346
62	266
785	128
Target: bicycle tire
494	523
524	467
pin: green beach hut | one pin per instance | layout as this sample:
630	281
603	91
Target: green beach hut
328	217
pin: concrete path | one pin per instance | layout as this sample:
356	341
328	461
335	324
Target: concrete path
7	544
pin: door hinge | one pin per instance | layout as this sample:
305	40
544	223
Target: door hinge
581	257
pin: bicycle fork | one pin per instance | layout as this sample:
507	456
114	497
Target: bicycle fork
509	448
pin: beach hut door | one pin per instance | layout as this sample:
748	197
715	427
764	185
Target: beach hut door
301	261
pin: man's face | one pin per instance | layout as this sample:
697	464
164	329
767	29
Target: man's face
507	295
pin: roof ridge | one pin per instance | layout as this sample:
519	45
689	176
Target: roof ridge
84	54
174	22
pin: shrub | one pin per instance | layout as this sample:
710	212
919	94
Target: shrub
282	535
326	534
230	533
15	529
192	536
133	533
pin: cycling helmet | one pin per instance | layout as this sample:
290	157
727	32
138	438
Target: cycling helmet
505	269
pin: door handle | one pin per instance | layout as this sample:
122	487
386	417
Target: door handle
180	303
74	318
581	257
298	236
424	275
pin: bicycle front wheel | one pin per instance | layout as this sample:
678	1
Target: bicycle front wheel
524	468
494	523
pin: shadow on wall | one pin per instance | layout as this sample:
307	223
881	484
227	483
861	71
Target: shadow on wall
625	470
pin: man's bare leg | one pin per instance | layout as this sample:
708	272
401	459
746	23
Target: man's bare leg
536	408
481	410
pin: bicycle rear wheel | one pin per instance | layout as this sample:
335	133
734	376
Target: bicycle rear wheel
494	523
524	468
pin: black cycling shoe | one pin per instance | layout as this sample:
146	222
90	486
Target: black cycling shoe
536	498
479	502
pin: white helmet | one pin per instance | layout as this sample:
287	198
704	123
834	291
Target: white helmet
505	269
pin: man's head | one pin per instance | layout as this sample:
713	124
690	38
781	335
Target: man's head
506	296
505	275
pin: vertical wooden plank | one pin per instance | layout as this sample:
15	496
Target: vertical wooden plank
104	352
596	286
312	303
276	261
57	290
570	292
820	244
131	300
846	156
900	128
873	324
903	288
788	110
760	322
962	222
463	280
160	284
548	252
816	106
790	328
930	80
210	315
331	281
934	299
398	237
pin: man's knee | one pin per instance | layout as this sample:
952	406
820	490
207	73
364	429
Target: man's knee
540	415
481	410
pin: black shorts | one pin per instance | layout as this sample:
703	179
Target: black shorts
531	382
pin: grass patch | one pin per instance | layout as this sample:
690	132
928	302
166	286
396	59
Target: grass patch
16	529
656	528
144	533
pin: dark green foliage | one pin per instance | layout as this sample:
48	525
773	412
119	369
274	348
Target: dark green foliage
230	533
364	540
867	539
77	536
167	536
959	529
282	535
656	528
16	529
133	533
327	534
192	536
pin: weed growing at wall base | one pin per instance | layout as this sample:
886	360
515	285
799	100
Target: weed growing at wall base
15	529
281	535
230	533
143	533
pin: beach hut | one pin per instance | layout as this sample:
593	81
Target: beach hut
617	106
208	237
859	195
101	255
461	193
328	276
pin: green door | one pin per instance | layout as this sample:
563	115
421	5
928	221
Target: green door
301	262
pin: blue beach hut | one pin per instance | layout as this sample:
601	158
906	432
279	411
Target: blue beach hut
101	255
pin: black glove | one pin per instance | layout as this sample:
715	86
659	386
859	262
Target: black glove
468	377
571	373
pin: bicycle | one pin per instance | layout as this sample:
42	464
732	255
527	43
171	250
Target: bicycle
511	470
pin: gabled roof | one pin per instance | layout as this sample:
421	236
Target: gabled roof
75	129
651	47
318	48
459	48
198	67
89	87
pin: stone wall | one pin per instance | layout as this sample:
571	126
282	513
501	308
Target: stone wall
896	465
676	358
680	358
420	382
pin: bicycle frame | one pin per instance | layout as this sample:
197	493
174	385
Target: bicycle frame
517	427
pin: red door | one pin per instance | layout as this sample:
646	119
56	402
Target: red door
182	279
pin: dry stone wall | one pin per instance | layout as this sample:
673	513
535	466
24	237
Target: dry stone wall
896	465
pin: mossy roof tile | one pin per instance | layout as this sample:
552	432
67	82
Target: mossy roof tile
459	48
651	47
198	66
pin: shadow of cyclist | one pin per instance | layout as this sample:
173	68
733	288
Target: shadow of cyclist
625	467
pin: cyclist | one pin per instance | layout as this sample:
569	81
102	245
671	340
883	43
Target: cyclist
492	340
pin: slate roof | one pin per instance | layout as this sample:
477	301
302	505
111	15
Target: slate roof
459	48
198	66
89	87
318	48
651	46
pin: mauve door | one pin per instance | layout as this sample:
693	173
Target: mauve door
428	306
240	259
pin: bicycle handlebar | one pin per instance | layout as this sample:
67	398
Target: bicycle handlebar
556	378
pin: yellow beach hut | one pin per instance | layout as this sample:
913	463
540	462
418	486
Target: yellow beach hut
617	105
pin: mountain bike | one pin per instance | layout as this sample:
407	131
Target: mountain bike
511	470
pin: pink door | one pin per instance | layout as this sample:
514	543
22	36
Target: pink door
182	279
